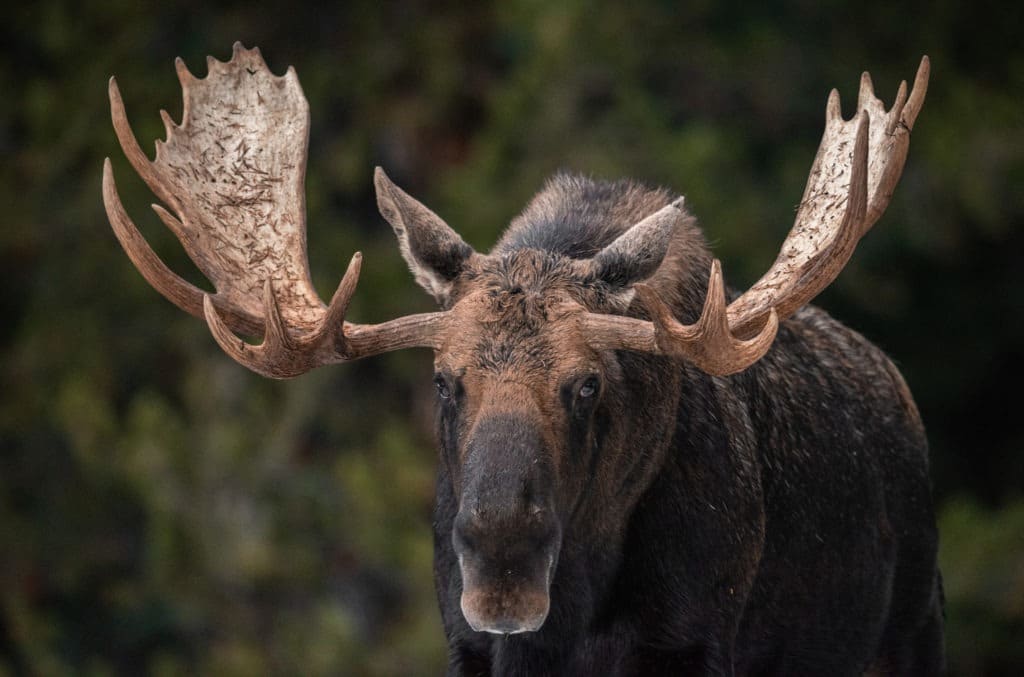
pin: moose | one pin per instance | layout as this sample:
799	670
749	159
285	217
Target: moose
641	471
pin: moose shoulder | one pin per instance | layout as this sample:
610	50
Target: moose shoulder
640	472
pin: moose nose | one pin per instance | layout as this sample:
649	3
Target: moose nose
506	533
505	612
506	568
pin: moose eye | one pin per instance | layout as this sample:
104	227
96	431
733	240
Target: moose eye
443	391
589	387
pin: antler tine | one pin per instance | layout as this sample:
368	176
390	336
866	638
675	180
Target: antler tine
183	294
866	93
281	355
277	357
340	341
916	100
338	307
890	141
897	108
709	343
174	288
180	292
130	145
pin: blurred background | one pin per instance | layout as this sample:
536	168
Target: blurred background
163	511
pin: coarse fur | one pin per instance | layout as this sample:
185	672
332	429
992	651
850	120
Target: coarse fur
776	522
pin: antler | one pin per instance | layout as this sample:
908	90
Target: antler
851	182
232	173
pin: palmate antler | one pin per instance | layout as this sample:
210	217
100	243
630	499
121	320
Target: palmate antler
232	173
851	182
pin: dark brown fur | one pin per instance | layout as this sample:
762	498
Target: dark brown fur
774	522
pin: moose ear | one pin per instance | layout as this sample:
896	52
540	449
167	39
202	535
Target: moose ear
435	253
637	253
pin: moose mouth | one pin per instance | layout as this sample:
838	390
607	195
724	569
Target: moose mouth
506	600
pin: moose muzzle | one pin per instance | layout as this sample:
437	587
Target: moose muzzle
506	534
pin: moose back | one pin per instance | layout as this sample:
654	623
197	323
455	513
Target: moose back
640	471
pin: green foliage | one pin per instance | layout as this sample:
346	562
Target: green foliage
983	560
163	511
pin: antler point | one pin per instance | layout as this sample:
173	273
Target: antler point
867	90
833	109
917	93
184	74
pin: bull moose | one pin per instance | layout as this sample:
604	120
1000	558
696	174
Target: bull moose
641	471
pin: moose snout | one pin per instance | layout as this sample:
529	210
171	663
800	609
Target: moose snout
506	569
506	533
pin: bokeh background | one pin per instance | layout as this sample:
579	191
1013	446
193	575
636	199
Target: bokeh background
163	511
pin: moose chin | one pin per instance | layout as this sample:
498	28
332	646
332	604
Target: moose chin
641	470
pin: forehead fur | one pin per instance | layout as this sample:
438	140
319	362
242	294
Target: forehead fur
513	304
519	307
530	280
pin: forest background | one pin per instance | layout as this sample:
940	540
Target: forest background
164	511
